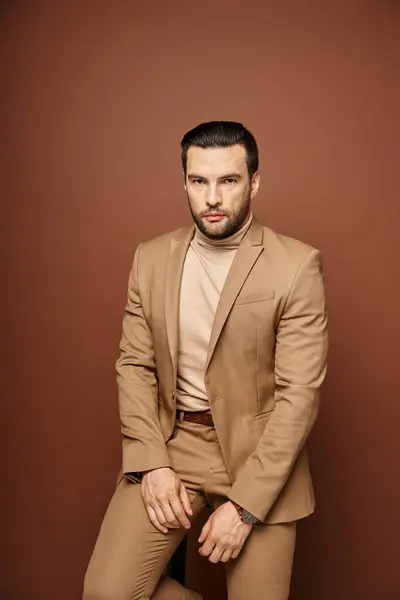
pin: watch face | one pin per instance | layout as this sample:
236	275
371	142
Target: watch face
248	517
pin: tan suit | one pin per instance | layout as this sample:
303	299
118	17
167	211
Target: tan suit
266	362
265	365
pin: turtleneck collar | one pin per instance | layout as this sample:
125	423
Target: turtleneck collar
229	243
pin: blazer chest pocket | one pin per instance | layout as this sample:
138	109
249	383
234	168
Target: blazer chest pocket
250	298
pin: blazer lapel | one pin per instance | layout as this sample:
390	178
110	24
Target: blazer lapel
178	249
248	252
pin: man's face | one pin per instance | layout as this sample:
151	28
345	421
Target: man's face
218	189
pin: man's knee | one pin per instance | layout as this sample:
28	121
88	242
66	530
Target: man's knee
103	590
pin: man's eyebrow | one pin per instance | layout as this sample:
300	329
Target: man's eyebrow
230	176
225	176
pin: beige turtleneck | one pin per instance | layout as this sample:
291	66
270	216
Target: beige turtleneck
205	270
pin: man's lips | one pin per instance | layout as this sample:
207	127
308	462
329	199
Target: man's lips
214	216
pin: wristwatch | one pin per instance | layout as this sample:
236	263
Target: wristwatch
245	515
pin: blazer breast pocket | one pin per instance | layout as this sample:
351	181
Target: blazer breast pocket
250	298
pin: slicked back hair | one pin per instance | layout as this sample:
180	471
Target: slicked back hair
221	134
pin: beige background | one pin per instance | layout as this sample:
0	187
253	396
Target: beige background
97	95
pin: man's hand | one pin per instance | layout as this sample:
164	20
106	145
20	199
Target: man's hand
165	499
224	534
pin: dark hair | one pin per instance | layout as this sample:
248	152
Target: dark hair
221	134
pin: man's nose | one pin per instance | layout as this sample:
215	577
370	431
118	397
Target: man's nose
213	196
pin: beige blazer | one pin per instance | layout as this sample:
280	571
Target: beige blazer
265	365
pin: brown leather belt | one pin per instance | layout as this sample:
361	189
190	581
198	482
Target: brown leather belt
203	417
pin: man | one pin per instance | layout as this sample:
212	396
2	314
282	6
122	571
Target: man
223	353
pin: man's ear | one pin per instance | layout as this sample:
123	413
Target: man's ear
255	183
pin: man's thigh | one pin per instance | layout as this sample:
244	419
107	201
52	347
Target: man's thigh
263	569
130	554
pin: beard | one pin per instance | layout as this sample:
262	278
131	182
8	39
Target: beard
233	221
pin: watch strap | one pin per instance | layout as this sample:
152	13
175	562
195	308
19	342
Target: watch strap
135	477
245	515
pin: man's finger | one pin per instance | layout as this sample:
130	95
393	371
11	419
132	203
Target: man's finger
179	512
226	555
205	531
184	498
208	546
236	553
216	554
154	520
160	515
170	519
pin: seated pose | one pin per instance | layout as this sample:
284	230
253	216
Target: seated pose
223	353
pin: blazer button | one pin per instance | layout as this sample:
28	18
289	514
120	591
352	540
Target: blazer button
173	395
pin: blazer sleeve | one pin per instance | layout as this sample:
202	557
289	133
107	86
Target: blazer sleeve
143	446
300	368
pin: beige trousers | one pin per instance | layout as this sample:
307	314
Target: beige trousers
130	555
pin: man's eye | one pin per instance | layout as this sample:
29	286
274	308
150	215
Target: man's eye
198	181
230	181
